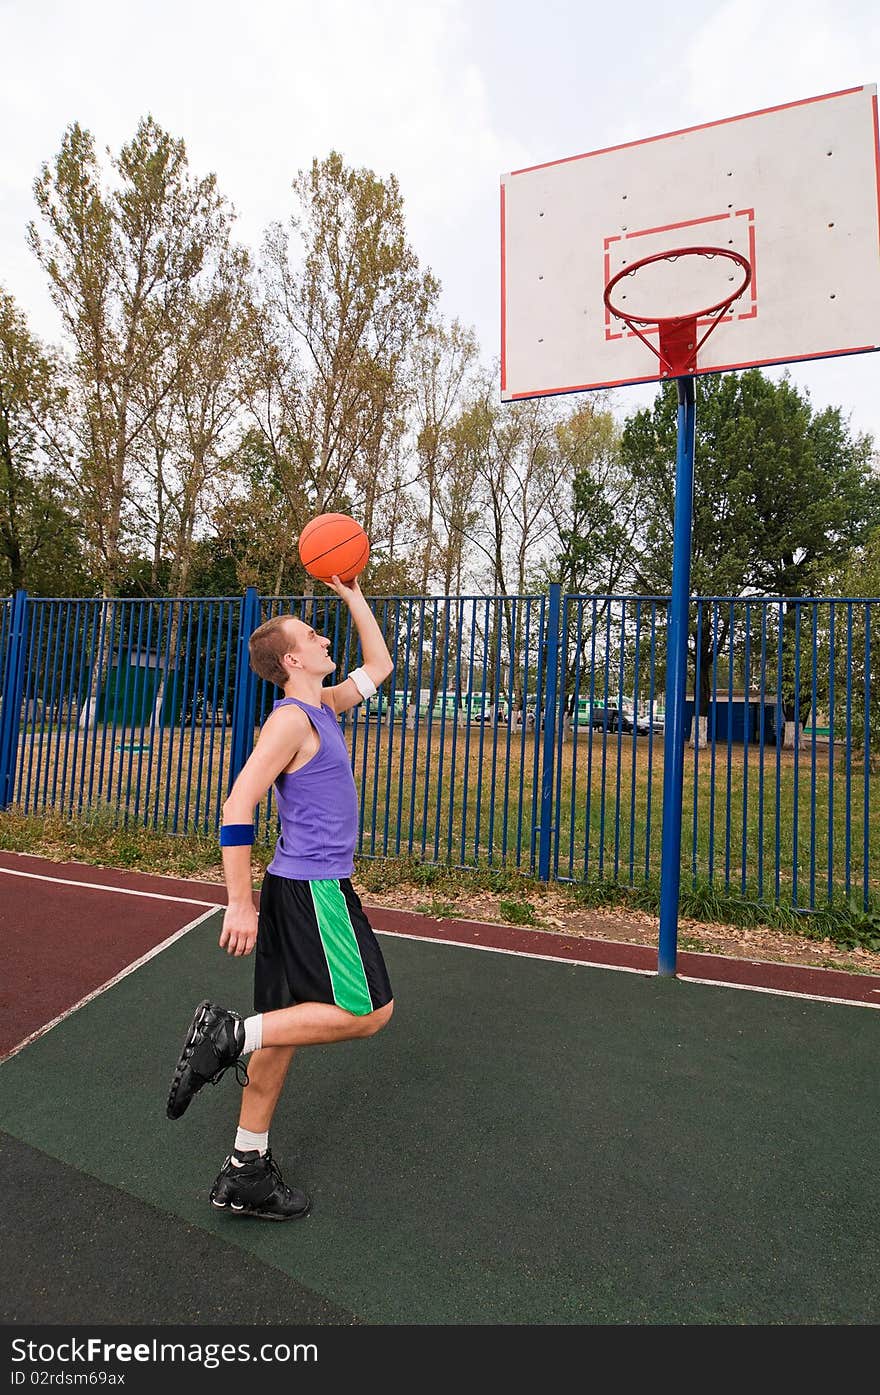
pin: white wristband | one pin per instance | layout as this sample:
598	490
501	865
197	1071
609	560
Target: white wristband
363	682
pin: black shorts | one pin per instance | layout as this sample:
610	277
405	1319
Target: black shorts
315	945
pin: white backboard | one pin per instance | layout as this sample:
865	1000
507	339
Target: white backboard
795	189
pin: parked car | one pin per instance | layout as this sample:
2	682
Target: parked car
650	721
602	716
611	719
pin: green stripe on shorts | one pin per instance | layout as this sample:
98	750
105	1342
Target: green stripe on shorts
347	977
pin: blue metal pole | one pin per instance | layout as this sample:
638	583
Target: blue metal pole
676	678
13	688
551	670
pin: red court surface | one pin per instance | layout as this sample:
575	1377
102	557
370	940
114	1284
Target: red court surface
67	929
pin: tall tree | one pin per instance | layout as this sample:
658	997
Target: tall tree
721	553
595	519
517	475
344	299
459	499
595	514
443	360
814	494
815	500
778	490
39	547
251	522
120	263
207	397
856	709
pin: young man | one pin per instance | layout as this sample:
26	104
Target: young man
319	975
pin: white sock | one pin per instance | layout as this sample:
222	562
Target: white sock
247	1142
253	1033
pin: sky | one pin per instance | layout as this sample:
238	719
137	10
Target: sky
447	95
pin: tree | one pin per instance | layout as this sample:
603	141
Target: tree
595	518
39	547
721	555
344	298
595	514
443	361
777	491
515	474
120	265
207	397
251	521
814	499
507	476
813	493
856	576
720	550
457	508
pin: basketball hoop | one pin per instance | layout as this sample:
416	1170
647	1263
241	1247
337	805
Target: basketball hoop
678	333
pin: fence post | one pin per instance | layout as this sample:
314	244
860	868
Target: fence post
245	692
548	768
13	687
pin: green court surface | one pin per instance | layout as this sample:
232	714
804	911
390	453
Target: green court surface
528	1142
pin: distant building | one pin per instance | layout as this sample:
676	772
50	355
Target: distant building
733	717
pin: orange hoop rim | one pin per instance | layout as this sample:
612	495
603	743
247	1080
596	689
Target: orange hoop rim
672	256
679	345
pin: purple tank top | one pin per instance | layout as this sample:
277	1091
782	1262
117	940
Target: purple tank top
318	806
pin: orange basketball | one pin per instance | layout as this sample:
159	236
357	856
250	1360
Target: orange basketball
333	545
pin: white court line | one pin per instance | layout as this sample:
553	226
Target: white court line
111	982
780	992
123	890
160	876
460	944
626	969
519	953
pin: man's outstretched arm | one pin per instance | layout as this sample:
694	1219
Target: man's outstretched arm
377	663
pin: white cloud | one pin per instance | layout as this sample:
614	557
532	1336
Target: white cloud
257	92
446	94
748	54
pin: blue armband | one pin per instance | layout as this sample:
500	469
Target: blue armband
236	835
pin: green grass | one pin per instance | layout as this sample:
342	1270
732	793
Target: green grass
609	816
97	839
437	908
518	912
847	925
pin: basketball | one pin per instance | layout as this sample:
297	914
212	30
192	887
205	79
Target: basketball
333	545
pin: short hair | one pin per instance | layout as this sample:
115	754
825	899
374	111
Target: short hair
265	647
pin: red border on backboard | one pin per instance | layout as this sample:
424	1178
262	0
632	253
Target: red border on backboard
877	158
722	368
503	291
650	140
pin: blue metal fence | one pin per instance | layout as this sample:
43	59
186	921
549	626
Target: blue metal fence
516	731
